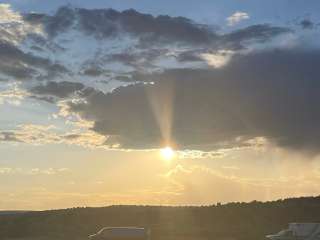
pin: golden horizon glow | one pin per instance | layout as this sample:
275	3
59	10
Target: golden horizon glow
167	153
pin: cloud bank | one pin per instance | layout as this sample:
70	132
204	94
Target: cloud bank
146	81
211	107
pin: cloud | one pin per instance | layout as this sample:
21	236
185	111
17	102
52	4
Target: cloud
23	66
237	17
7	15
196	154
258	33
306	24
140	60
269	94
58	89
42	134
7	170
130	21
37	46
218	59
88	139
29	133
109	23
13	28
187	92
202	185
32	171
13	95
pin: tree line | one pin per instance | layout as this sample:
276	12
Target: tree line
232	221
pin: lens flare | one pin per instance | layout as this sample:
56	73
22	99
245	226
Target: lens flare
167	153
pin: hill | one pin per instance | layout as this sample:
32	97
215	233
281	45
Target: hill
232	221
12	212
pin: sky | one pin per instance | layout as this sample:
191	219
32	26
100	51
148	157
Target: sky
157	102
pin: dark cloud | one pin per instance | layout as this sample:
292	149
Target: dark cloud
106	23
155	37
8	137
259	32
93	72
58	89
20	65
61	21
272	94
123	78
35	18
12	62
306	24
48	99
139	60
190	56
72	136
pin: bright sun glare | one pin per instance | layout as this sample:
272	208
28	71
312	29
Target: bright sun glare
167	153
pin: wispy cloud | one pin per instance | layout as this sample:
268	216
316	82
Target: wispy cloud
202	185
13	94
49	134
32	171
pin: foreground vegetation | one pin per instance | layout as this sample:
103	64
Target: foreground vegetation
233	221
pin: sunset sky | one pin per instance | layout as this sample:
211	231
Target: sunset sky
158	102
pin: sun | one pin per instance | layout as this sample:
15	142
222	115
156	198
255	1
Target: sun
167	153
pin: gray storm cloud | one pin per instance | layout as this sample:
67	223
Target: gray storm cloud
234	96
22	66
272	94
162	29
58	89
